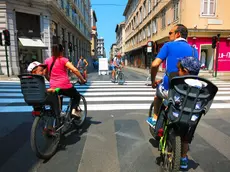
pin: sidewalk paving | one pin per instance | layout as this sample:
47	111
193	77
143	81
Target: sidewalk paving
202	74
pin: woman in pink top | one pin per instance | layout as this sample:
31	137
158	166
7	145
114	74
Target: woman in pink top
58	76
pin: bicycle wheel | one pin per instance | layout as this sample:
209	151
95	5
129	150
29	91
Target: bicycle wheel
48	133
172	154
83	108
121	78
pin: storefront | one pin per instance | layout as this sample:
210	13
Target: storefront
207	53
30	45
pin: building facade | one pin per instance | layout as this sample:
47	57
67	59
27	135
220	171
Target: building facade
120	38
113	51
36	25
94	35
151	20
100	47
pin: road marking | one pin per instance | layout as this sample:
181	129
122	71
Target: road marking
105	107
108	99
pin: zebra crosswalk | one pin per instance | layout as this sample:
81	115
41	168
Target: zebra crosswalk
104	95
115	137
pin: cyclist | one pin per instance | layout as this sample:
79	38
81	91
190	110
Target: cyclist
81	65
171	52
57	73
186	66
117	63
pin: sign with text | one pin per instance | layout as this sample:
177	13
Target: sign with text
103	64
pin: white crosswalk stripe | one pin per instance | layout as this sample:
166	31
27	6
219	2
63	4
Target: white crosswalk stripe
104	95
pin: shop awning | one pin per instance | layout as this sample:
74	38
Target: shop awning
35	43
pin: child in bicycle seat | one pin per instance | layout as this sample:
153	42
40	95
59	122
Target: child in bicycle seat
186	66
37	68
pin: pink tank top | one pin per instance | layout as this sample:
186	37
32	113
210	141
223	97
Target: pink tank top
59	75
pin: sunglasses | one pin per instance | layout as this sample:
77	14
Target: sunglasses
170	33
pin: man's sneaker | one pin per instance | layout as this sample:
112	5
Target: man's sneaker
184	163
151	121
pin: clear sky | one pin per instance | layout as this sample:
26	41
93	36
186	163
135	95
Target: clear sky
108	16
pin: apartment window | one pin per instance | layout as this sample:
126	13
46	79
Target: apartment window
144	10
148	31
149	6
208	7
176	10
141	15
154	25
143	33
155	3
137	19
163	19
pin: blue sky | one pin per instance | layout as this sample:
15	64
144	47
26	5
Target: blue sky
108	16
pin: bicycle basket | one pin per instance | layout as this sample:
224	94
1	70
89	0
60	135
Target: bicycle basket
190	97
33	88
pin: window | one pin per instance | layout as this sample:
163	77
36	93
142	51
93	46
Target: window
163	19
154	26
154	3
208	7
176	10
149	6
141	15
144	10
148	31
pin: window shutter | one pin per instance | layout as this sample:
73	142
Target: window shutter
212	7
204	7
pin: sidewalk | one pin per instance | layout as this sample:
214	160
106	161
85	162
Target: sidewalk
202	74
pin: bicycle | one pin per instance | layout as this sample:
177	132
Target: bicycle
190	97
54	125
119	76
81	70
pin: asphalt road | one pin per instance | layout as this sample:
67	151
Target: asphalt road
115	137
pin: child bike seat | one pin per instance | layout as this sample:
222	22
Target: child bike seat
189	97
33	88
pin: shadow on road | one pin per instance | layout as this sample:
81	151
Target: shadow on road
73	135
154	143
15	149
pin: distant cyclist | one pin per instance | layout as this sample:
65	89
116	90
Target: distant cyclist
117	63
82	65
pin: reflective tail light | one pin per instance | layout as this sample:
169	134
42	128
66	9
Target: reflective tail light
160	132
36	113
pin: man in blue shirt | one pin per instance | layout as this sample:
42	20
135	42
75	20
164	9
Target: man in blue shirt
172	53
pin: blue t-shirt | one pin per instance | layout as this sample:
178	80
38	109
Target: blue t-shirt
172	52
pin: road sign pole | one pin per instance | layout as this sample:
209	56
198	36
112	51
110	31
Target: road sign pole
7	64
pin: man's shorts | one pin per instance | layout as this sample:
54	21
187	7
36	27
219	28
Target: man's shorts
161	92
112	67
